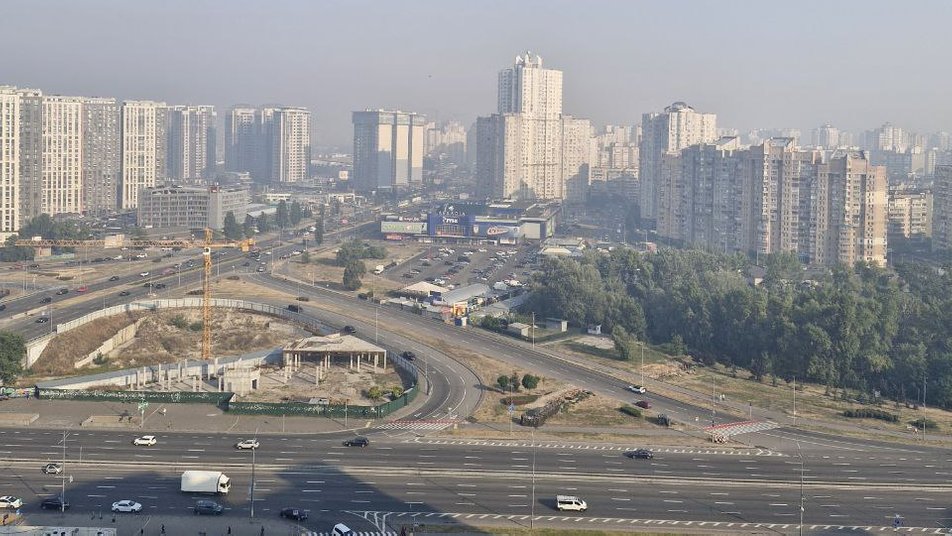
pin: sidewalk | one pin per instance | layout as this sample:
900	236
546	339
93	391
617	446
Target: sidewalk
148	525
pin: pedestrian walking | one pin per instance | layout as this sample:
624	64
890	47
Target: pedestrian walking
229	529
163	528
262	531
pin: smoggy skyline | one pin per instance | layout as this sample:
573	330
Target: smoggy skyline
855	64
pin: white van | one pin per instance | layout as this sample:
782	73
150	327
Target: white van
341	529
569	502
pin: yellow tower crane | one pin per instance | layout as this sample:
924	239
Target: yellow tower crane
207	245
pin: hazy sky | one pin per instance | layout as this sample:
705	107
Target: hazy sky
756	64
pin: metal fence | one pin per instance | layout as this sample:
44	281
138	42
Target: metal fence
176	397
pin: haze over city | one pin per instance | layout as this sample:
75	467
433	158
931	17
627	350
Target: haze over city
854	64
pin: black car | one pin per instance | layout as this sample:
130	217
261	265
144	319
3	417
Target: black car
159	285
294	513
54	503
359	441
3	306
408	355
114	278
643	454
124	293
208	508
350	330
62	291
42	320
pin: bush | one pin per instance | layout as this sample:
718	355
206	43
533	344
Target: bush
102	360
529	381
630	410
924	423
503	382
871	413
195	326
519	400
179	321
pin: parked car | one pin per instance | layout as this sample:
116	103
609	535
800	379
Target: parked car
637	389
644	454
350	330
9	501
359	441
208	508
644	404
52	469
146	440
294	513
126	505
54	503
247	444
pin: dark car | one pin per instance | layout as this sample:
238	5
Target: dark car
644	404
62	291
294	513
3	306
359	441
47	299
643	454
159	285
54	503
208	508
114	278
350	330
124	293
42	320
408	355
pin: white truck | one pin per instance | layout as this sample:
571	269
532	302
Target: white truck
379	269
205	482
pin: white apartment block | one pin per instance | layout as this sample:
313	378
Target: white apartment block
101	155
388	149
62	160
528	88
9	161
576	158
191	207
679	126
827	137
910	214
291	144
942	209
191	145
143	149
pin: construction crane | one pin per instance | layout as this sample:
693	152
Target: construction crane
207	246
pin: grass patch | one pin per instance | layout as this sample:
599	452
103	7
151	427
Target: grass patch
592	350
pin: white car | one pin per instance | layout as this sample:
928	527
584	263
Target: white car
9	501
147	440
247	444
126	506
637	389
52	469
143	274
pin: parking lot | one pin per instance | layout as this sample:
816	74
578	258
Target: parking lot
457	265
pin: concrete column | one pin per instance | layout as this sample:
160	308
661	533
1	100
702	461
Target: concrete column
221	383
317	374
376	362
215	372
195	384
351	364
358	362
384	360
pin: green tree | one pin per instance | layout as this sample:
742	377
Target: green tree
296	213
529	381
319	231
264	223
623	343
248	227
503	382
232	230
281	218
12	352
375	393
354	270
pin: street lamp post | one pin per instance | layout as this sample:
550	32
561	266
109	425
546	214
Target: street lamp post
532	504
642	363
800	454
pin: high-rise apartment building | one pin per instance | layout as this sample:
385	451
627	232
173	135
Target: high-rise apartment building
143	149
910	214
61	165
388	150
522	148
290	134
191	144
827	137
31	153
9	161
942	209
679	126
101	155
241	139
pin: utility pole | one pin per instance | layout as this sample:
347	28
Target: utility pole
800	454
253	479
713	400
642	363
532	504
63	492
533	329
794	400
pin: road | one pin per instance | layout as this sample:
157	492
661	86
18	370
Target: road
483	478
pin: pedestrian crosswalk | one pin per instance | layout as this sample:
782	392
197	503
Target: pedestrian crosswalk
354	533
736	428
583	446
428	424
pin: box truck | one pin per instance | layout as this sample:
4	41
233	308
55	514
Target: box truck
205	482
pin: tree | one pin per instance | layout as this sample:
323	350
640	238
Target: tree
264	224
319	230
354	270
12	351
248	228
281	217
375	393
623	343
529	381
232	230
296	213
503	382
306	257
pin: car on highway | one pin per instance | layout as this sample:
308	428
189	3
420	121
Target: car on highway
260	269
62	291
52	469
3	306
293	513
350	330
126	505
146	440
408	355
247	444
143	274
359	441
82	288
42	320
10	501
54	503
114	278
208	508
643	454
644	404
570	502
637	389
124	293
341	529
46	299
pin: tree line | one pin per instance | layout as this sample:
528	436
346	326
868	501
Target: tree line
865	328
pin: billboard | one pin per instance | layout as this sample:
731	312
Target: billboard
496	230
403	227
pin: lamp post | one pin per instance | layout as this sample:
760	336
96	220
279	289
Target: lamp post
532	504
253	476
642	363
800	454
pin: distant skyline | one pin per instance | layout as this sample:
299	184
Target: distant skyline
855	64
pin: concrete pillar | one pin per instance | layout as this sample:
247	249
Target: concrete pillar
384	359
221	383
351	364
195	384
376	362
317	374
215	372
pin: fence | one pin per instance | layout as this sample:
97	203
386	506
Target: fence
176	397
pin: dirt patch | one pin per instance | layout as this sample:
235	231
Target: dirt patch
339	386
65	349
